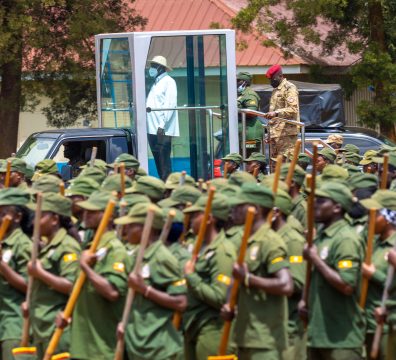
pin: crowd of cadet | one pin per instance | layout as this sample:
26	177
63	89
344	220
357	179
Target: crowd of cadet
270	319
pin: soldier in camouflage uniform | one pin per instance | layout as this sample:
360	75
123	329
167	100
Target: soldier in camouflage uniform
283	104
249	99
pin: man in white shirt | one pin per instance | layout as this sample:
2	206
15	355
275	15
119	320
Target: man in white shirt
162	125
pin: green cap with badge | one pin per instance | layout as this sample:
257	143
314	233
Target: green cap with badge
220	206
235	157
129	160
298	175
229	191
181	196
368	157
328	154
46	166
82	186
350	148
219	183
337	192
137	215
244	75
283	202
256	156
254	194
17	165
362	181
148	185
14	196
352	158
132	199
352	169
46	183
334	172
268	181
241	177
56	203
173	180
97	201
94	173
98	163
381	199
113	183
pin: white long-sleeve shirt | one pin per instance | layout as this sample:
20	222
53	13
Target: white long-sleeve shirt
163	94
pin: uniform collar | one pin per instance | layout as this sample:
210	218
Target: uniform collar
159	77
282	84
391	240
14	236
106	237
233	230
151	250
334	228
56	241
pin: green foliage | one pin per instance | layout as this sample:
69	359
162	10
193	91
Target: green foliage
57	42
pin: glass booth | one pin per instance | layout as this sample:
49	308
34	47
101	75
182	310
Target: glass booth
176	90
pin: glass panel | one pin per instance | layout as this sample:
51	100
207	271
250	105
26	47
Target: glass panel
115	83
35	149
195	77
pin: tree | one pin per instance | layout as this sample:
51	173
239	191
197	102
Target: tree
49	45
365	27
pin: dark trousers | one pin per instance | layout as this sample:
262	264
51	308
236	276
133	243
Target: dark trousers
161	147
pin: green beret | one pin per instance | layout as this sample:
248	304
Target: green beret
97	201
334	172
113	183
244	75
240	177
268	181
328	154
132	199
173	180
148	185
256	156
56	203
352	169
14	196
98	163
46	166
283	202
304	158
137	215
233	157
83	186
350	148
254	194
298	175
229	191
337	192
46	183
129	160
219	183
368	157
181	196
94	173
362	181
17	165
220	206
353	158
381	199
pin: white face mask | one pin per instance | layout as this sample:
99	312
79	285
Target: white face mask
241	88
153	72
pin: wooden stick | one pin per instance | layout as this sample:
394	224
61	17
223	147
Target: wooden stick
256	171
122	173
293	163
119	352
186	222
182	179
62	188
226	170
123	211
235	286
80	280
8	175
93	156
200	184
167	226
116	166
384	176
369	253
310	220
275	184
33	259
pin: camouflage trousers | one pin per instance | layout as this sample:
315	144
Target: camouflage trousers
282	145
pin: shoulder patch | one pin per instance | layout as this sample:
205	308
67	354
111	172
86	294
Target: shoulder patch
276	260
118	266
344	264
70	257
252	102
296	259
179	282
224	279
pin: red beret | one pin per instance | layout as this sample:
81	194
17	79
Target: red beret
273	70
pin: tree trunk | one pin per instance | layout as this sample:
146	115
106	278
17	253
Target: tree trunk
10	100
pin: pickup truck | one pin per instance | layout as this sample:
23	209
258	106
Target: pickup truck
50	144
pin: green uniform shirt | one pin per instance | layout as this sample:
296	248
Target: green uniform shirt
299	209
249	99
16	250
207	286
295	245
181	254
377	281
60	258
150	333
95	319
261	322
335	319
234	235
